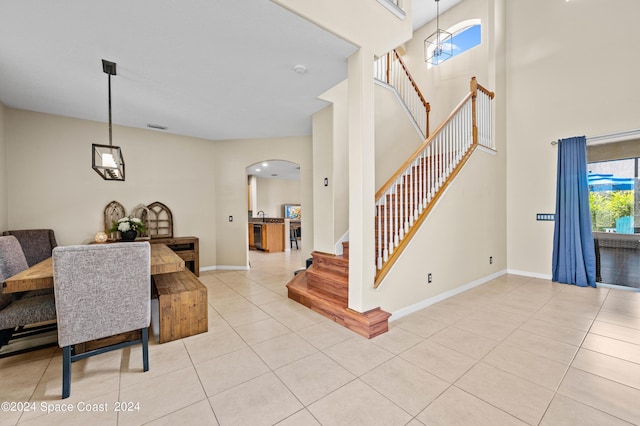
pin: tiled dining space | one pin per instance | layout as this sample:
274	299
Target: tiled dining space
514	351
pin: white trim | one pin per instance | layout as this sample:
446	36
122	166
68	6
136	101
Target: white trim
618	287
529	274
625	135
224	268
394	8
439	298
487	150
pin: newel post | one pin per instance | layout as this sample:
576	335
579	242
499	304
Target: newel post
388	66
474	120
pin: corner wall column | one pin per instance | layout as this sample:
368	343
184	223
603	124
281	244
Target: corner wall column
361	179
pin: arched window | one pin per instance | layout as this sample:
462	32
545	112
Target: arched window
465	35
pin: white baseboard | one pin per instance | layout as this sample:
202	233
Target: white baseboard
224	268
439	298
529	274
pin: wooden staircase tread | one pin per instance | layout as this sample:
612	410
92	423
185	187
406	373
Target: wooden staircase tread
368	324
331	274
300	283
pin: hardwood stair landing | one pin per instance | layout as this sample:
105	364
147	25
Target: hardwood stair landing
323	287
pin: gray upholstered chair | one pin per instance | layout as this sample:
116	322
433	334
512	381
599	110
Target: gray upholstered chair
20	309
101	291
37	244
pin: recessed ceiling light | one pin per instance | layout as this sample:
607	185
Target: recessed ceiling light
157	126
258	170
265	164
300	69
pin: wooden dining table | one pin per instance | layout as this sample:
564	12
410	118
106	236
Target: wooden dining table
39	276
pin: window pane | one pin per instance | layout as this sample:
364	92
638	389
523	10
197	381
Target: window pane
465	39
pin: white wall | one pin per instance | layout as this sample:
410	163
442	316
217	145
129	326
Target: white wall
51	183
4	211
272	194
364	23
572	69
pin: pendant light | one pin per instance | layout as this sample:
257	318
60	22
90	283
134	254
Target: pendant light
438	46
107	160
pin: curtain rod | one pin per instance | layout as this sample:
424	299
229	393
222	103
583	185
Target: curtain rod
610	137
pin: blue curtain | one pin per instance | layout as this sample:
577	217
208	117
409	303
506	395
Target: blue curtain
574	259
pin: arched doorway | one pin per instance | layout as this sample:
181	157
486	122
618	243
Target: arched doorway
274	204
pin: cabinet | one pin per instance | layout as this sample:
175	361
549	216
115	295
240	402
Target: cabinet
271	236
185	247
252	241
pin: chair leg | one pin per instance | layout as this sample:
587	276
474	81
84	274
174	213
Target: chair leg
145	349
66	372
5	336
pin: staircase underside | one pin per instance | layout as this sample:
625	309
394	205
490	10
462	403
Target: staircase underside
368	324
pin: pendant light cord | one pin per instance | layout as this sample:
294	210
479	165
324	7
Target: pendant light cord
110	139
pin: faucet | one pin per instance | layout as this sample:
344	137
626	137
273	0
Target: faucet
261	211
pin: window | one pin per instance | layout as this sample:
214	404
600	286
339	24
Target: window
611	195
614	199
466	35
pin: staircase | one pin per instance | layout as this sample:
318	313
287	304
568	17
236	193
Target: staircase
403	203
324	288
406	199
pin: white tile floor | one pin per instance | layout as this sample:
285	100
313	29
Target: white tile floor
513	351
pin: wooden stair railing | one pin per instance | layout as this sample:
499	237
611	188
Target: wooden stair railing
391	70
408	196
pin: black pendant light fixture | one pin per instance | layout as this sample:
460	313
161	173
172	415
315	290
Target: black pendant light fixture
438	46
107	160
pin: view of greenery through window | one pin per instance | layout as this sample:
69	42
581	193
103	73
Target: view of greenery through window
612	192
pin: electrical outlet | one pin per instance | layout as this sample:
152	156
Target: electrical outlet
490	260
429	278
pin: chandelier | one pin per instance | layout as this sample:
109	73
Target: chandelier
438	46
107	160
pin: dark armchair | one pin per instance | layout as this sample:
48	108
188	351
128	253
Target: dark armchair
37	244
20	309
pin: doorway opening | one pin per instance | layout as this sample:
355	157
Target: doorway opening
274	207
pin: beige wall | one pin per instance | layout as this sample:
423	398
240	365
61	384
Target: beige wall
323	166
455	242
230	163
468	225
335	130
51	183
4	223
272	194
396	138
571	70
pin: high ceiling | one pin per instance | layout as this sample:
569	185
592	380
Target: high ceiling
211	69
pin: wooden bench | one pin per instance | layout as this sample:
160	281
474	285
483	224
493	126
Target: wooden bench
182	305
